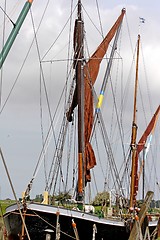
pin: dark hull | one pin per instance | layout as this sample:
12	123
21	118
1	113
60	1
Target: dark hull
41	217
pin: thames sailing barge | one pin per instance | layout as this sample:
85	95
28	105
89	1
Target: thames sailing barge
31	220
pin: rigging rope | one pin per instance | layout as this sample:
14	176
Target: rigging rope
57	159
99	154
44	148
58	36
70	26
44	84
11	12
52	225
21	68
42	132
4	11
45	88
69	156
74	156
153	166
14	193
114	170
99	16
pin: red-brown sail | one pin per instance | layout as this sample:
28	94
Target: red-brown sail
148	130
91	70
142	143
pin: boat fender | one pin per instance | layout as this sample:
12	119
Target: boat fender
136	218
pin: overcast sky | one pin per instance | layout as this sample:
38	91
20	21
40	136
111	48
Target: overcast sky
19	121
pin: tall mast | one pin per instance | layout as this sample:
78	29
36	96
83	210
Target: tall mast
134	182
14	32
80	99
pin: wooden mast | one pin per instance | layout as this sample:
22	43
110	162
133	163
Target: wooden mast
134	136
80	100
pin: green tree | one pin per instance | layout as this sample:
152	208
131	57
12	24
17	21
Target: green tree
38	198
62	197
101	198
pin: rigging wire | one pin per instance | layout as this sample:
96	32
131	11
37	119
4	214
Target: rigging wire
44	85
147	81
44	220
4	11
56	147
42	132
118	121
96	142
41	109
151	110
125	179
74	155
69	156
143	107
114	170
8	16
45	146
101	33
24	61
17	80
114	101
58	151
61	146
93	22
99	17
95	181
41	69
58	36
129	34
69	147
69	46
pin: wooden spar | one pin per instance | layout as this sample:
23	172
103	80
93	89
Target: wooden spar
143	169
141	215
134	136
158	229
94	231
75	230
23	226
80	99
14	32
109	66
57	226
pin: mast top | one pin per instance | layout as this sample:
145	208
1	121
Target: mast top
79	10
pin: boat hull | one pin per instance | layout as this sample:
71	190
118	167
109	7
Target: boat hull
41	220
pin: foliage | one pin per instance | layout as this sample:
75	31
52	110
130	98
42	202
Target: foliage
38	198
62	196
101	199
4	204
